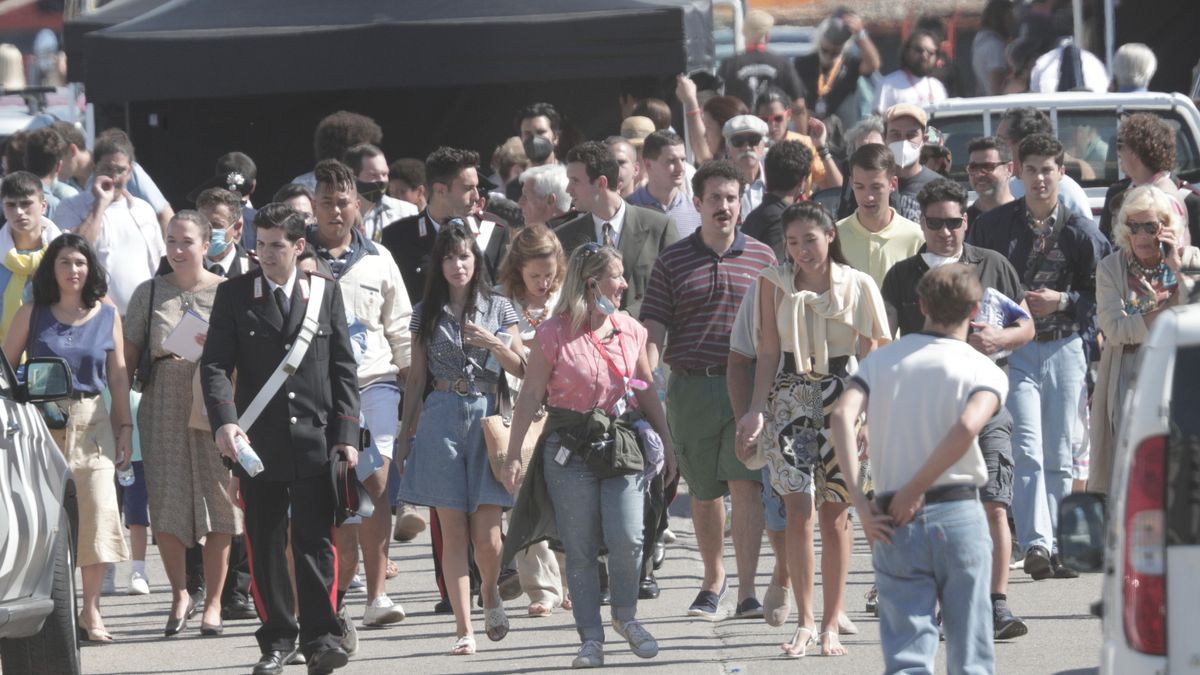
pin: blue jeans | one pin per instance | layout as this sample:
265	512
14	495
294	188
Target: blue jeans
590	512
944	554
1045	380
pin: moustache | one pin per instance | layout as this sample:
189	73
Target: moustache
748	154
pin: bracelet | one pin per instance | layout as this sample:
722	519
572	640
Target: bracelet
861	34
824	152
694	111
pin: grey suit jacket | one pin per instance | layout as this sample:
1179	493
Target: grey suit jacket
644	234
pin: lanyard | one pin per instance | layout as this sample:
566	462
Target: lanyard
825	82
612	365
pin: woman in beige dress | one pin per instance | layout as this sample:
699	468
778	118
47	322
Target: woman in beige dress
1134	286
188	485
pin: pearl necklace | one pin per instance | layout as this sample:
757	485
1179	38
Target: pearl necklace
1144	271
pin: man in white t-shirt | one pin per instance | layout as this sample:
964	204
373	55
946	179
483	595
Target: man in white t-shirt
913	82
124	229
927	396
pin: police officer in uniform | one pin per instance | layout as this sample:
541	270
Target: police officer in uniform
313	415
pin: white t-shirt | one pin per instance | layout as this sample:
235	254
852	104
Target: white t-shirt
1044	75
900	87
742	338
130	244
917	388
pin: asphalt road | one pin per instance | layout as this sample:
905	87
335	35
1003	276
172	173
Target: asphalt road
1063	636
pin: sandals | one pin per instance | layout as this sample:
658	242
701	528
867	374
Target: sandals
793	650
392	571
831	649
540	609
464	646
495	622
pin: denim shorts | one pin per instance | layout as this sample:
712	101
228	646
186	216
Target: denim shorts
447	466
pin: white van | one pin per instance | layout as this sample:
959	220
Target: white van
1149	551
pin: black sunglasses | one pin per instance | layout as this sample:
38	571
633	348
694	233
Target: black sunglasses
936	224
1150	227
745	140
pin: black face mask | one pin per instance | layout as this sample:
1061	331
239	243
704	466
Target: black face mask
372	192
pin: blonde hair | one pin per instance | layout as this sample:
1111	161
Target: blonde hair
757	26
1147	198
12	67
530	243
587	263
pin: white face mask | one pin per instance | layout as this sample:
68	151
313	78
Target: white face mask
935	261
906	153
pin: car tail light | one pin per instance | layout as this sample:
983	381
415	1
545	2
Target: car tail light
1146	549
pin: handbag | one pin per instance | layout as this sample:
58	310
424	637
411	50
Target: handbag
496	432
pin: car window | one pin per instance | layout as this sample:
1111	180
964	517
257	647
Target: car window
1089	137
1183	453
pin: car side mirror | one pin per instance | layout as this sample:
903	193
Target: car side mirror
47	378
1081	531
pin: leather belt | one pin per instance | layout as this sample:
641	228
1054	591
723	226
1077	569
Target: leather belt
709	371
945	493
1054	334
1129	349
463	387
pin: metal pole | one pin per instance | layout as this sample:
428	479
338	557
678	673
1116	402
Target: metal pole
1110	38
1077	19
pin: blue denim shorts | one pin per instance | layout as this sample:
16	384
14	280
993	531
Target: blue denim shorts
447	466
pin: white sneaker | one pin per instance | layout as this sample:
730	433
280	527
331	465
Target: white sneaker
382	611
138	584
109	585
591	655
668	536
356	585
641	642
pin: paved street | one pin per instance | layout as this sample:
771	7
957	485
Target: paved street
1063	637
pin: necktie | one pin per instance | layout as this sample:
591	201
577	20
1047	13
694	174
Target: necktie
609	235
281	301
218	270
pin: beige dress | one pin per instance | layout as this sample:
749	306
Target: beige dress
185	479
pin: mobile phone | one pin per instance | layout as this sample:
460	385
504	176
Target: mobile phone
1164	248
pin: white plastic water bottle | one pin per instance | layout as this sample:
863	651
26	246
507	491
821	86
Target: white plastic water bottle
247	457
125	476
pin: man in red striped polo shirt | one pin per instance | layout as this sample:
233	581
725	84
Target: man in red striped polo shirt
695	289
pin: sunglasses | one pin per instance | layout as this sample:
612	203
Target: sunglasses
746	140
983	167
590	248
1150	227
777	119
936	224
923	52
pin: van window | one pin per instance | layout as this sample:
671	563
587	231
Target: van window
1183	452
1090	139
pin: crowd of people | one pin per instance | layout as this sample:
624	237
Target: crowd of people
545	351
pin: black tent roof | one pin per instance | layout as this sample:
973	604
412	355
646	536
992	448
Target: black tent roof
115	12
221	48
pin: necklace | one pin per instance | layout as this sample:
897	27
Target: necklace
531	319
1148	272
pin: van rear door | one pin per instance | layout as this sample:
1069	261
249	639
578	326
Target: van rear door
1183	515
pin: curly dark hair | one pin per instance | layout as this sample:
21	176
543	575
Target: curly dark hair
45	285
942	190
333	174
444	164
1041	145
341	131
1151	139
787	165
722	169
598	160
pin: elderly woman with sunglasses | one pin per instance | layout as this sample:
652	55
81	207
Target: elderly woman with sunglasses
1134	286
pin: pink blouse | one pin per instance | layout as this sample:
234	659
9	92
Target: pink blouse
581	379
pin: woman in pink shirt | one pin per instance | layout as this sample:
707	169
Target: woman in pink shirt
590	360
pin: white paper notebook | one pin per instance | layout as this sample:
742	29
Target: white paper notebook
182	338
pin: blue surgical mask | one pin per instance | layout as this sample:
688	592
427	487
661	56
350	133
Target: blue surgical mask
605	305
218	244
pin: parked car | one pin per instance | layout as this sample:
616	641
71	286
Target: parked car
1149	550
38	524
1085	122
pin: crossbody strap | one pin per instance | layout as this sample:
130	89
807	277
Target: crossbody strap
291	362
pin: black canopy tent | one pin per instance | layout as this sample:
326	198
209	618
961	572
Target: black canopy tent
210	48
196	78
111	14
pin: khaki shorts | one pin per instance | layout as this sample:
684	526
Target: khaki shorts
704	431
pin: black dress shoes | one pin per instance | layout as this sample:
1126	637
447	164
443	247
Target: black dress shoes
176	626
238	611
272	662
325	661
443	607
660	554
648	588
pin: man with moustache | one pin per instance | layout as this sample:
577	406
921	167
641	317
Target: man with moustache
695	290
989	169
1055	250
746	145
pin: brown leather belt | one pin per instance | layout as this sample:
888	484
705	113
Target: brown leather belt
463	387
709	371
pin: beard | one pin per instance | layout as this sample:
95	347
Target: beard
919	68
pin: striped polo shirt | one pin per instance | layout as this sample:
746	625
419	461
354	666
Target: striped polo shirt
696	292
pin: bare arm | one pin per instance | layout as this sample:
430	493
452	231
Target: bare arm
654	342
533	392
750	425
849	407
739	381
18	334
118	386
164	218
652	408
414	393
685	90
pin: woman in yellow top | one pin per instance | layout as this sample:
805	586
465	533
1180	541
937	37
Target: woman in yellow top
815	312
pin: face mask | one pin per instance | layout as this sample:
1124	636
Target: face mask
372	192
603	304
218	244
906	153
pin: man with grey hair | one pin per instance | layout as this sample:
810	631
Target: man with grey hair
752	73
1133	67
544	197
745	144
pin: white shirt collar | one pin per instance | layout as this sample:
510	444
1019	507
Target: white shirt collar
226	261
617	222
287	289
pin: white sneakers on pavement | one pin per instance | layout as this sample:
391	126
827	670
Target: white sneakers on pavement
382	611
138	584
